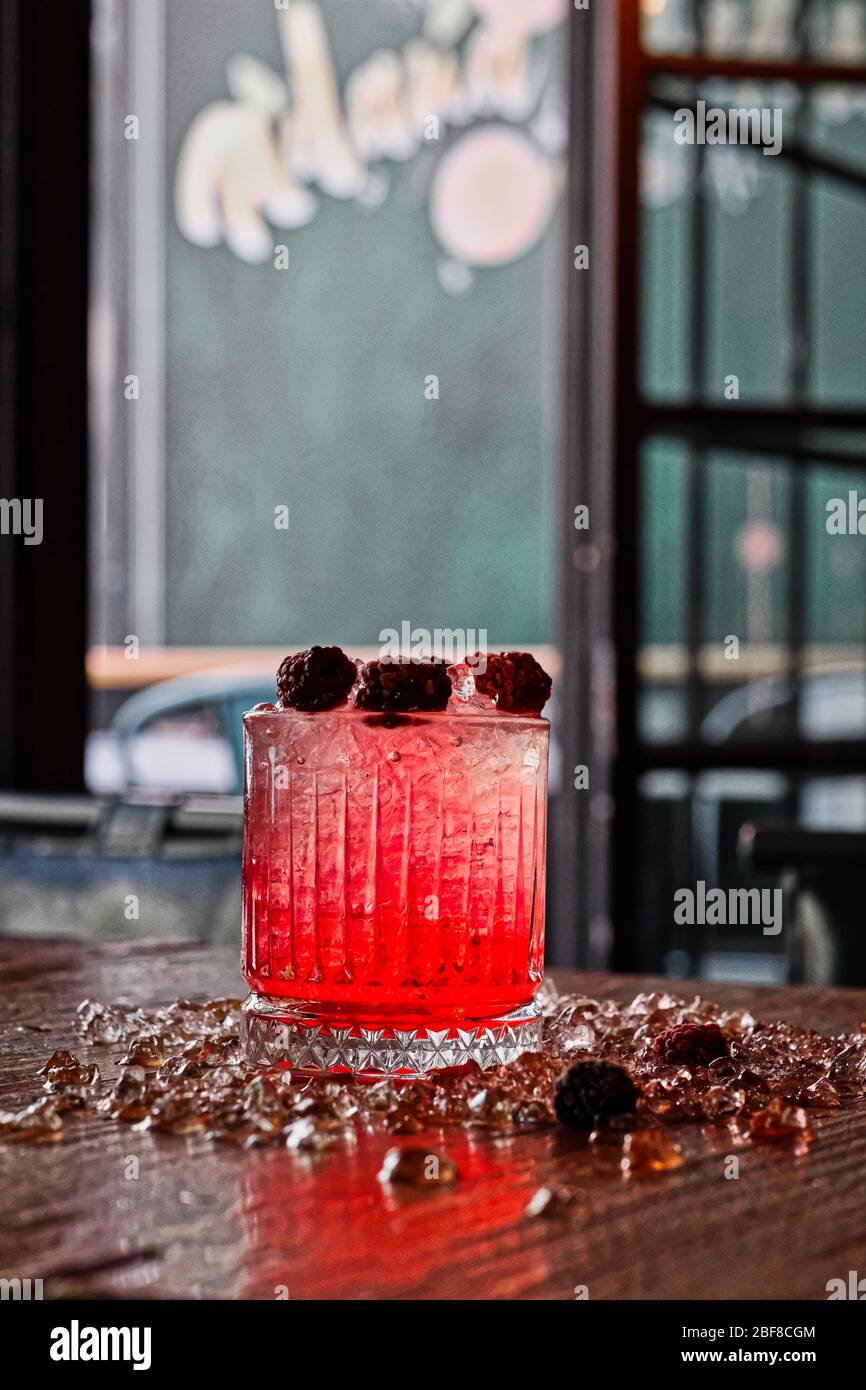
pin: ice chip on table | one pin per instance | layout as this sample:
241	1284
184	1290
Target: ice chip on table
569	1202
39	1123
465	699
780	1120
649	1151
418	1168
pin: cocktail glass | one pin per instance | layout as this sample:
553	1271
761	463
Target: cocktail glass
393	888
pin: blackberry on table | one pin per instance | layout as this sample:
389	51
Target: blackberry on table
514	680
592	1091
404	685
692	1044
314	680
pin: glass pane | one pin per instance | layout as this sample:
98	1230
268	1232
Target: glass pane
838	293
746	570
754	265
825	30
716	241
666	257
835	613
776	600
748	264
663	655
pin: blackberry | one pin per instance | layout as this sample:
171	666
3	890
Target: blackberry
404	685
513	679
691	1044
316	679
591	1091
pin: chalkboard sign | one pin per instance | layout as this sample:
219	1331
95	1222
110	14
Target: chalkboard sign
361	424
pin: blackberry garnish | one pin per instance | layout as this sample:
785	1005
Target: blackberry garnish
403	685
316	679
513	679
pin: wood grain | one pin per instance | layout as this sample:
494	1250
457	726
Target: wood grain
206	1221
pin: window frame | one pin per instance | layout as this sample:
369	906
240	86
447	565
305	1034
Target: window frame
637	420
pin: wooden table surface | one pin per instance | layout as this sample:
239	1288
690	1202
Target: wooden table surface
209	1221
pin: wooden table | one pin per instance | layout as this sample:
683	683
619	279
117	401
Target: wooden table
208	1221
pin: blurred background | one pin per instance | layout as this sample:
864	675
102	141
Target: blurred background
323	316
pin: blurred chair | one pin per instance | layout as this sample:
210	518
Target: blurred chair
179	736
822	874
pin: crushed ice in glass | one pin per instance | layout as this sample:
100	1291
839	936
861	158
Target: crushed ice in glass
179	1070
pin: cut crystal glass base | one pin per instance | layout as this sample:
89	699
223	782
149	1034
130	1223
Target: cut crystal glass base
272	1032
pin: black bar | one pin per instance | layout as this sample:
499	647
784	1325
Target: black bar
829	756
796	454
800	330
654	417
568	911
45	75
766	848
696	480
626	612
823	1333
700	66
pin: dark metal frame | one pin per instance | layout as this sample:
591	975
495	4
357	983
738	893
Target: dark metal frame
44	155
605	605
578	916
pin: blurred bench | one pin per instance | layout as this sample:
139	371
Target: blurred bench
822	874
110	868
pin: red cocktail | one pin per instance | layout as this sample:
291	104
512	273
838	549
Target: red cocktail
393	900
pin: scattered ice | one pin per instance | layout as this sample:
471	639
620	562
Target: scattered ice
650	1151
179	1070
781	1121
418	1167
570	1202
